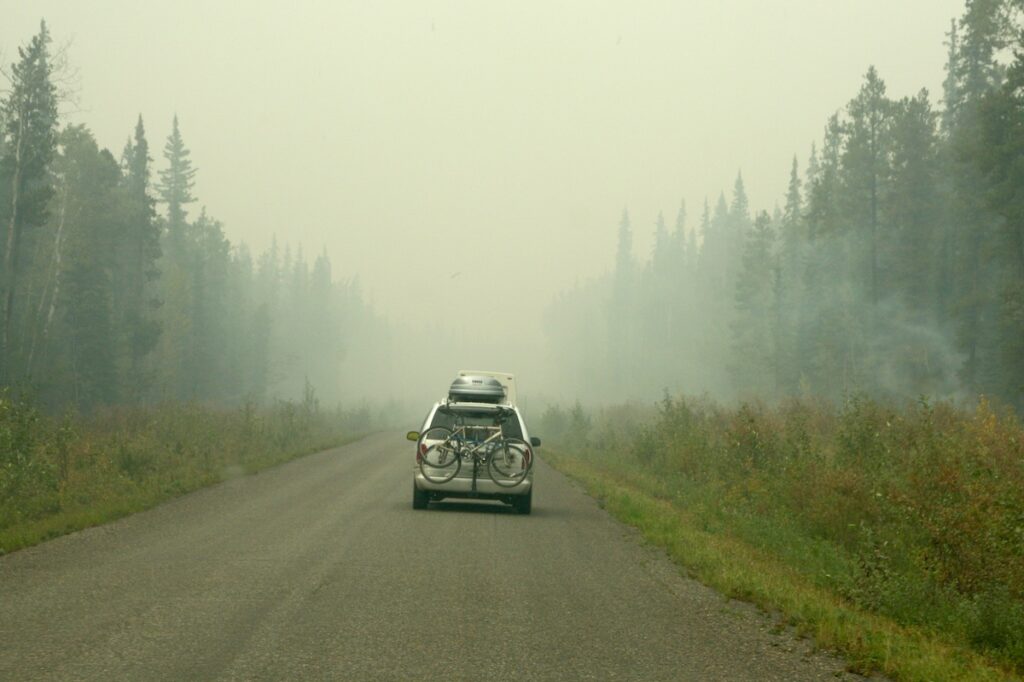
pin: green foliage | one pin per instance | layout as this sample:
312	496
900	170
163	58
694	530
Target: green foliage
756	327
28	142
84	289
61	475
795	588
176	182
136	274
28	479
914	513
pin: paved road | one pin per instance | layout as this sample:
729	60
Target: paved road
320	570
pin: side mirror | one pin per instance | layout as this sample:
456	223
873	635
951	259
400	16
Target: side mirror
534	441
412	435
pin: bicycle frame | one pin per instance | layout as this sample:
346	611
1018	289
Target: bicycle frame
479	453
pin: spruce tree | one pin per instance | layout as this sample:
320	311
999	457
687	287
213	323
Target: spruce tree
997	156
139	252
325	351
181	271
753	326
865	169
176	183
825	337
911	247
952	100
982	32
208	268
912	250
789	293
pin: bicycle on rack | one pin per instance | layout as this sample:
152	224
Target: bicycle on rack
442	451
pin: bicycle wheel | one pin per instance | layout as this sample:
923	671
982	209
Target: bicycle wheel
438	452
509	462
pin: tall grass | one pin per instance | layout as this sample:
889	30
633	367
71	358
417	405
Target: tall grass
60	475
913	513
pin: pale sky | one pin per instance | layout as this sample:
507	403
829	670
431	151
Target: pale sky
478	154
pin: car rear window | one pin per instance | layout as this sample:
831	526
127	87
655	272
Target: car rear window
510	429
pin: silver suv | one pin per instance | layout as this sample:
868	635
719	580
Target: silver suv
479	413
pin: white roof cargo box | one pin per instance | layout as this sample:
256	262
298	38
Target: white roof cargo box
504	378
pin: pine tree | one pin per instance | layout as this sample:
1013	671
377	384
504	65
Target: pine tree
788	285
739	209
753	327
865	167
827	340
693	249
982	30
620	314
137	299
717	250
679	294
181	268
267	299
85	303
176	182
238	343
209	264
654	313
716	292
952	92
737	228
997	156
679	232
910	246
30	116
906	353
325	355
952	99
792	220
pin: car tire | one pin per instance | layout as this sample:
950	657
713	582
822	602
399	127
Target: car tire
523	503
420	498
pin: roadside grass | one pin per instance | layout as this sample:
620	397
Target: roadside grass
885	535
58	476
869	642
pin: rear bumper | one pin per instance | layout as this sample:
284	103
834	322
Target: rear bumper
463	487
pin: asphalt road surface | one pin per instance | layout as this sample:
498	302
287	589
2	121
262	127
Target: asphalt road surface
321	570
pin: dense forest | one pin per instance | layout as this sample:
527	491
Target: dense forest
893	266
116	289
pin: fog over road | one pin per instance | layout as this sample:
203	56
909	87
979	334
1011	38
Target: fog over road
320	569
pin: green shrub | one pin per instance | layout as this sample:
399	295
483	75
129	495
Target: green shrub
58	475
915	512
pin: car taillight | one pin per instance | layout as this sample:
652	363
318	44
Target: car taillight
421	452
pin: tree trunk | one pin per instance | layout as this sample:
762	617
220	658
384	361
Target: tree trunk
874	239
11	254
39	336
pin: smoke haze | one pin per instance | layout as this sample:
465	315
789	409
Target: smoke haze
466	164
